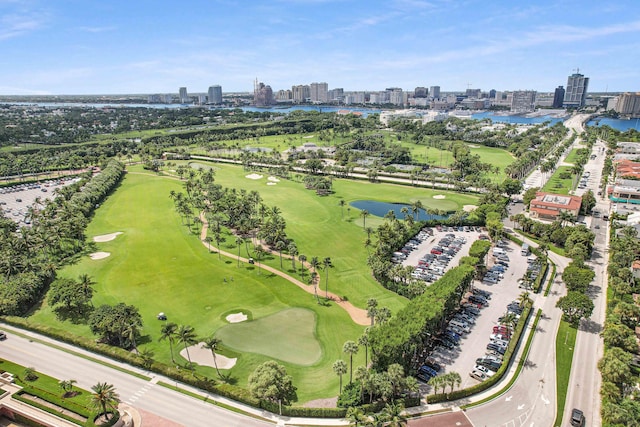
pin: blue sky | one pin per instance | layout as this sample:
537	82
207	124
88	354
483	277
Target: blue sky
155	46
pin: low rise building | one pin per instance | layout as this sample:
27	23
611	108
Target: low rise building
547	206
625	191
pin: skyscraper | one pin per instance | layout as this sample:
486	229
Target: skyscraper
629	104
558	97
420	92
215	94
522	101
184	98
576	92
435	92
319	92
262	94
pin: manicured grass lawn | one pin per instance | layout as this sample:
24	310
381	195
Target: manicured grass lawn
495	156
565	344
572	156
559	185
287	335
157	265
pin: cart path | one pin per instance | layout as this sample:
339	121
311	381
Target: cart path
358	315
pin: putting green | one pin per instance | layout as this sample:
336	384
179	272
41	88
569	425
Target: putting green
288	335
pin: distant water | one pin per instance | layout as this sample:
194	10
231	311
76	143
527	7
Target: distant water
516	119
283	110
621	125
382	208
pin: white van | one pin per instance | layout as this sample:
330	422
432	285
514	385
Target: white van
498	251
460	324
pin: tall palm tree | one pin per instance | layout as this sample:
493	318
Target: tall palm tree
259	250
341	203
372	309
315	263
168	332
364	342
239	241
302	258
293	252
453	379
187	336
326	265
211	343
524	299
340	368
356	417
350	348
104	396
364	214
280	245
85	282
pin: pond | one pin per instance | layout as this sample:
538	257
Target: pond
382	208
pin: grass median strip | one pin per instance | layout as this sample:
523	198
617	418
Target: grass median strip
565	345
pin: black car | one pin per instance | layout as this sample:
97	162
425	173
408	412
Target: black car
3	336
433	365
577	417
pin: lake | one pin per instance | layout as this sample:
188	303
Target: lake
516	119
380	209
619	124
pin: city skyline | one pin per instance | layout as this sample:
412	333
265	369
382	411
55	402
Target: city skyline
135	47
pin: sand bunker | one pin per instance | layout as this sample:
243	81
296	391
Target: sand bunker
469	208
254	176
236	317
203	356
273	179
271	183
99	255
309	136
439	196
106	237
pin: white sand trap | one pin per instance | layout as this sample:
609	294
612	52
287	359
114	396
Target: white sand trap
99	255
236	317
473	146
309	136
439	196
271	183
469	208
203	356
273	179
254	176
106	237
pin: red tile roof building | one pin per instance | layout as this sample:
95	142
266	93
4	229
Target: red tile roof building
548	205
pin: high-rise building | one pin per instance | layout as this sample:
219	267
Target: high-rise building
319	92
435	92
523	101
492	94
336	94
301	93
629	104
215	94
558	97
262	94
576	92
420	92
473	93
184	97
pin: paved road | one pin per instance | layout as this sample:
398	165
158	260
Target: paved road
147	395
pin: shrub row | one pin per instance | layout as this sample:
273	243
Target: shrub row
19	396
57	400
490	382
537	285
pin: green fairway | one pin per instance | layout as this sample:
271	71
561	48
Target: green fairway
287	335
565	343
495	156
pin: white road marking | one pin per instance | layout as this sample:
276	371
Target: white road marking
507	399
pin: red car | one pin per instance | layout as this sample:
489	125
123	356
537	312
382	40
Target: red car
501	330
436	252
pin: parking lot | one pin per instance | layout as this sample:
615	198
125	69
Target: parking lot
472	345
16	200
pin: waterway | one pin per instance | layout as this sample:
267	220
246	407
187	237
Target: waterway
619	124
275	109
380	209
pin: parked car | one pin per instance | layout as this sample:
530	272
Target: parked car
491	363
3	336
428	370
484	370
496	347
577	417
480	376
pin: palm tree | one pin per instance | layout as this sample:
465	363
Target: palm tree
302	258
147	357
364	214
259	253
326	265
280	245
187	336
66	386
104	396
351	348
211	343
293	252
393	415
372	309
453	379
437	382
341	203
208	241
85	282
168	332
239	241
340	368
363	341
315	264
356	417
524	299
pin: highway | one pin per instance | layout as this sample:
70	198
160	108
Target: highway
145	394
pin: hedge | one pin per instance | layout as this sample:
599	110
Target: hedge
490	382
551	277
537	286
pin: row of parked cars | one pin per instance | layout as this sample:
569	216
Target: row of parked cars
412	245
458	326
499	339
31	186
433	265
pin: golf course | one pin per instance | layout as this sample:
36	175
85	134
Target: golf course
157	263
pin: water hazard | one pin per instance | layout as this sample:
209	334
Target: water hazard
382	208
